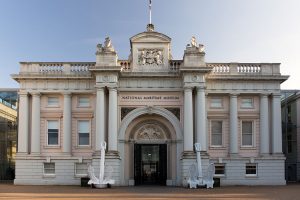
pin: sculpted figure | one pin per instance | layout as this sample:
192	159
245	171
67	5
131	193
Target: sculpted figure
107	43
193	42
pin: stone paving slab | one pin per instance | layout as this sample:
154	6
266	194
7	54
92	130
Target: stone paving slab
8	192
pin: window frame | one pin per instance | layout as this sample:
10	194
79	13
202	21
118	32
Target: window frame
48	174
75	170
83	106
77	132
247	107
220	165
249	165
253	133
58	136
216	107
211	133
53	105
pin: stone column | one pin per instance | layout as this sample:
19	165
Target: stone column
233	124
201	118
188	119
113	120
23	123
67	124
276	124
100	118
264	125
35	123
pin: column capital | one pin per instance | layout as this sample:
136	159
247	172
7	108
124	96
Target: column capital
113	88
99	87
276	95
186	88
67	93
35	94
234	95
201	88
264	95
23	93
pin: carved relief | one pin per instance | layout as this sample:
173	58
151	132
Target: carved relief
150	57
125	111
175	111
150	132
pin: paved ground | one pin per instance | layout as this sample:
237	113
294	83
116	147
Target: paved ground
8	191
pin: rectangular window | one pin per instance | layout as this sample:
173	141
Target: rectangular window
247	133
49	168
83	102
216	133
216	103
247	103
251	169
53	128
219	169
84	132
81	169
53	101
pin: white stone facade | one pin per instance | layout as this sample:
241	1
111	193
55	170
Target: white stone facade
232	109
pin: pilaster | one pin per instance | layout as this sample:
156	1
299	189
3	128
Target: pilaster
264	125
67	123
276	124
233	125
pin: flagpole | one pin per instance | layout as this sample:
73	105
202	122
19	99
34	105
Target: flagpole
150	5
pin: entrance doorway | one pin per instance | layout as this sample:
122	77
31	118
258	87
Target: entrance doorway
150	164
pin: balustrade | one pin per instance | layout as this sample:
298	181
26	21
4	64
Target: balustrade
77	68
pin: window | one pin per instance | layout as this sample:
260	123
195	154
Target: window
251	169
53	132
81	169
83	102
53	101
49	168
216	103
247	133
219	169
84	132
247	103
216	133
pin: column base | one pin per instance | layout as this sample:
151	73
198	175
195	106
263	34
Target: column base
35	154
233	155
113	154
188	155
265	155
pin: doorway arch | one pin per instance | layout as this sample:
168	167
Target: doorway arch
170	133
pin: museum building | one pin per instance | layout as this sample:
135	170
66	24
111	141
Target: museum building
151	110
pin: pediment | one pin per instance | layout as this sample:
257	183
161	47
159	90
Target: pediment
150	37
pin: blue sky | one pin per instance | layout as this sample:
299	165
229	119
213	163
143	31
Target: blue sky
231	30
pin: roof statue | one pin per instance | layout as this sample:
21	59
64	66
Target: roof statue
106	47
194	45
193	42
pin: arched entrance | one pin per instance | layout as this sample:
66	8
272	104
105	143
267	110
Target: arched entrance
150	143
150	152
